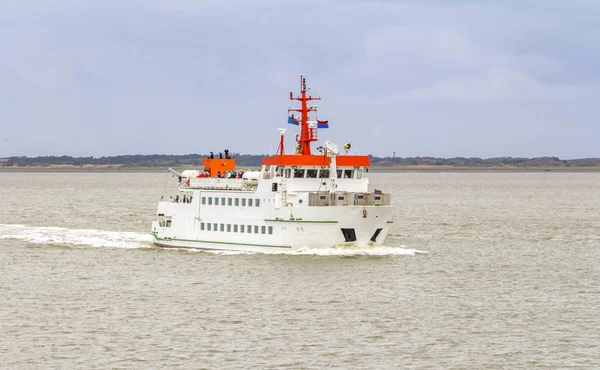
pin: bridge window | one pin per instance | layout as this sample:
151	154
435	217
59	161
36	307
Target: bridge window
257	203
324	174
229	201
249	202
299	173
288	172
348	174
339	174
210	201
243	202
222	201
311	174
203	200
359	173
237	202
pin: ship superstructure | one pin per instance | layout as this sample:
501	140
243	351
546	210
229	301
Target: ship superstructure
299	200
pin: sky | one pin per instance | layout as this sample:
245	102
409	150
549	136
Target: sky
416	78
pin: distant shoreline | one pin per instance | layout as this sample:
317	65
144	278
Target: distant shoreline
374	169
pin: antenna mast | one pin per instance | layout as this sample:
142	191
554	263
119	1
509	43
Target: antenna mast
307	134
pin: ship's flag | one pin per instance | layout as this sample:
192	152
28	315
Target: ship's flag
293	121
377	192
323	124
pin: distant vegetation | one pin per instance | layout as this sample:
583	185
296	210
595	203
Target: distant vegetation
243	160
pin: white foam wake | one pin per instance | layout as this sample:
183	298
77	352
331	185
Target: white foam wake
342	251
79	237
355	251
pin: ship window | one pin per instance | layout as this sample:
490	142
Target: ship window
375	235
257	203
203	200
201	225
237	201
221	227
340	198
349	235
348	174
243	202
339	174
360	196
299	173
208	225
228	228
249	202
164	221
262	229
248	229
210	201
280	169
222	201
215	227
378	197
242	228
270	229
359	173
255	229
229	201
322	197
235	228
324	174
311	174
288	172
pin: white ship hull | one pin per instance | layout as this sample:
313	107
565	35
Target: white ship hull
279	233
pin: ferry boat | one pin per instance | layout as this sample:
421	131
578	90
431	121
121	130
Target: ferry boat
295	201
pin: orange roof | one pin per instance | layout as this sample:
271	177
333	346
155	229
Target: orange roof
316	160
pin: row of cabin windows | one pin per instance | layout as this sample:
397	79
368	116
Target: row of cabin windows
236	228
300	173
231	201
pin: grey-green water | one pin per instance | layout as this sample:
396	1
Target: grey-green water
481	271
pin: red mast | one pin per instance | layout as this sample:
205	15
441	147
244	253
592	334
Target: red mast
307	134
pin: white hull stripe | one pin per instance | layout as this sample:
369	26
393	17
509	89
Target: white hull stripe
214	242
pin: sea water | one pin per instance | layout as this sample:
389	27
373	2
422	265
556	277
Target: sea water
480	270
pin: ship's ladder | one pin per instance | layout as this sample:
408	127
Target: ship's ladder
283	189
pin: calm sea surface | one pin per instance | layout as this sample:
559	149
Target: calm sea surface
481	270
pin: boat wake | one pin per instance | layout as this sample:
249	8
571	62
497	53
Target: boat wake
61	236
340	251
354	251
75	237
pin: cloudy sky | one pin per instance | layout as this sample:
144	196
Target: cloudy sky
439	78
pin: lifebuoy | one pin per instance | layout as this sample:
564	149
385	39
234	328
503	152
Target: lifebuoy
187	182
364	213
